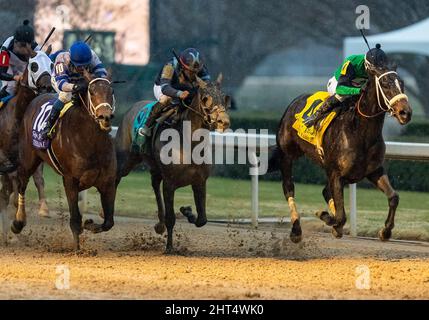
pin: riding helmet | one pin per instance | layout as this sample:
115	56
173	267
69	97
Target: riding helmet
376	57
80	54
191	60
24	33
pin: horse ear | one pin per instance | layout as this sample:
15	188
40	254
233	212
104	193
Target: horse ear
201	83
219	80
227	102
87	76
33	53
48	50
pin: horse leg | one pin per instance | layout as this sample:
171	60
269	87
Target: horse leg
336	185
25	171
40	185
380	179
107	196
71	187
156	186
289	193
200	202
327	195
170	216
4	202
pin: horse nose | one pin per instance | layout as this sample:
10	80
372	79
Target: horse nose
405	116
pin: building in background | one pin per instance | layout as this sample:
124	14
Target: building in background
123	26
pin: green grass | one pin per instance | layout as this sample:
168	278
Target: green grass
228	198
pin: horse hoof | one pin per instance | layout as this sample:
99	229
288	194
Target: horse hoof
159	228
295	238
17	226
169	251
187	212
337	232
93	227
296	232
200	223
385	234
43	213
324	216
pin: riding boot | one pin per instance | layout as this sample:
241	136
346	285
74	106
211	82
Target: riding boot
328	106
156	110
53	116
3	92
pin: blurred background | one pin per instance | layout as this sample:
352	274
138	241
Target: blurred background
269	52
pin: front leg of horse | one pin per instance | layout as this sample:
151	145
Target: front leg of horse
200	202
4	202
156	186
39	182
71	187
107	196
20	217
289	193
381	181
170	217
336	185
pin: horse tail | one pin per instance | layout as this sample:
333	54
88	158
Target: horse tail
275	159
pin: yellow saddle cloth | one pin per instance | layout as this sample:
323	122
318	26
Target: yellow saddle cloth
311	135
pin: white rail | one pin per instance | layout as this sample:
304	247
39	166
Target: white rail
394	150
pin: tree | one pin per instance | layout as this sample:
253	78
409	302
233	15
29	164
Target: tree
237	35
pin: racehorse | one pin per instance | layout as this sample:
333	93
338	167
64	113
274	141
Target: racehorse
36	80
206	111
353	147
82	151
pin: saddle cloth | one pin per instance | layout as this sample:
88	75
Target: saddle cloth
40	122
311	135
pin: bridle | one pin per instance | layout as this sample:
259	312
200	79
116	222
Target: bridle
204	115
93	109
380	94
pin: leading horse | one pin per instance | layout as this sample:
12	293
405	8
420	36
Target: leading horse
83	154
36	80
353	147
206	111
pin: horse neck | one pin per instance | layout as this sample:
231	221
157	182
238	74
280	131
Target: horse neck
369	106
193	117
24	95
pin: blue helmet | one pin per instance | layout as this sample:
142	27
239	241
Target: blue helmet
80	54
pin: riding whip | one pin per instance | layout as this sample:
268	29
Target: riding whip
48	37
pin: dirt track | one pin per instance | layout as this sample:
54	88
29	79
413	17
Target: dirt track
215	262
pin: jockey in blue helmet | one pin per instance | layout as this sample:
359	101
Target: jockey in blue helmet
67	76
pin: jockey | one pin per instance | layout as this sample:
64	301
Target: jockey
175	82
67	77
349	80
14	55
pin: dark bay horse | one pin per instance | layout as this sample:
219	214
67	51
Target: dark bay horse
84	153
35	80
207	111
353	146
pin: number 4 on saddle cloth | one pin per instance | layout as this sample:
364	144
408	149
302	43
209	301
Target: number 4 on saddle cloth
310	134
40	122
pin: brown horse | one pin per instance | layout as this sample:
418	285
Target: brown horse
353	146
36	79
84	154
208	111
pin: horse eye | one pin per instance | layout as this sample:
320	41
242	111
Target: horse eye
34	67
